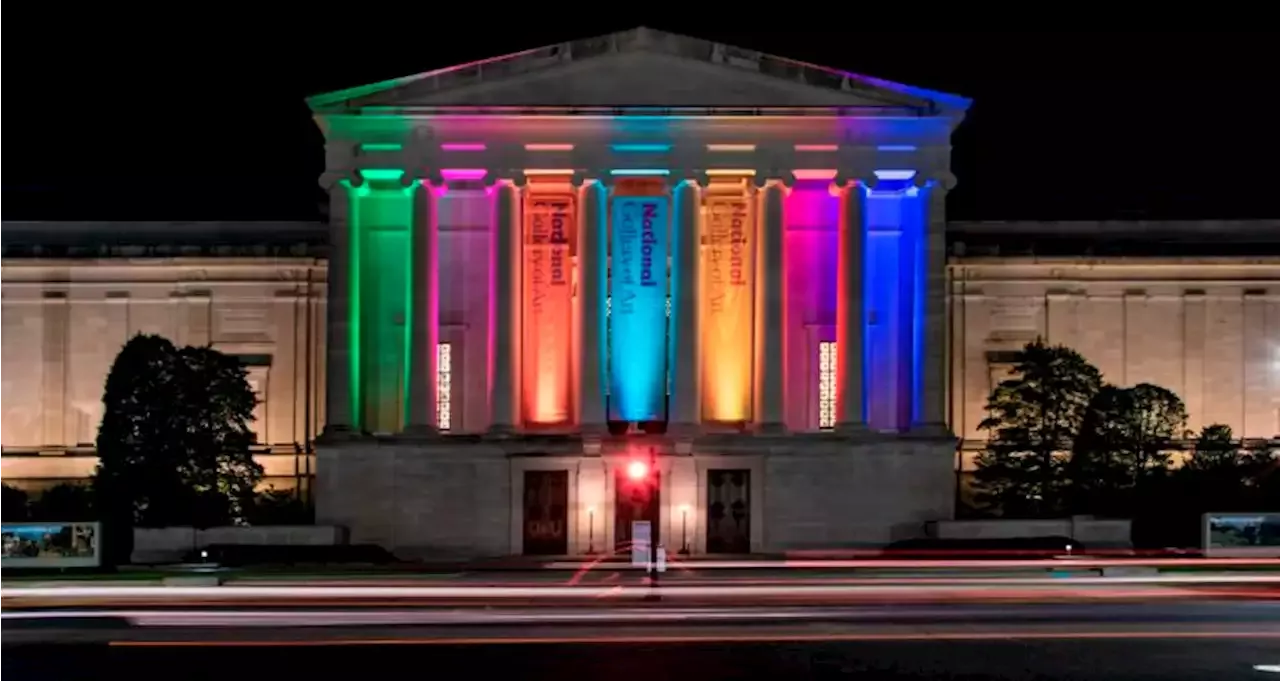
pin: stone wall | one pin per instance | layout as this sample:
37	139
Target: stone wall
65	320
1205	328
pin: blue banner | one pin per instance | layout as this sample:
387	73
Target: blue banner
638	311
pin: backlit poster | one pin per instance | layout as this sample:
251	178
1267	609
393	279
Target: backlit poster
727	305
637	319
547	334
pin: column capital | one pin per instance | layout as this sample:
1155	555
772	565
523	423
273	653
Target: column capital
848	178
944	180
784	177
578	178
355	178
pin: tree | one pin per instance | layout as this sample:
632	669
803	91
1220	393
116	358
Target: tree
15	504
67	502
174	441
1033	418
1125	444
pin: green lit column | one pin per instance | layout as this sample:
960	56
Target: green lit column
338	358
425	311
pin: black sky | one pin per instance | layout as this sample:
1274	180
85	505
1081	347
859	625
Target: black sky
125	118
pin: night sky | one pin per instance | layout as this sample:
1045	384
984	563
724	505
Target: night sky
119	117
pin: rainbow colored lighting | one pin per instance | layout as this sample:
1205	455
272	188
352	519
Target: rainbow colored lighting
550	219
731	147
727	303
641	148
895	174
816	147
731	172
375	147
463	174
640	172
896	147
534	172
815	173
637	327
463	146
548	147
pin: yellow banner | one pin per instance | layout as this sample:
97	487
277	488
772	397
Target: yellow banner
727	306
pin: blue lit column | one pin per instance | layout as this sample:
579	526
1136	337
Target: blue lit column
932	412
771	353
424	314
684	362
504	325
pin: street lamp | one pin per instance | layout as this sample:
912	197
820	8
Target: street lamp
684	529
591	530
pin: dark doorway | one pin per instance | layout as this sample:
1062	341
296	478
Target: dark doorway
635	500
729	511
546	513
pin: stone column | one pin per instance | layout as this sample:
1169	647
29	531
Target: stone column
592	288
684	362
850	326
505	324
338	407
425	314
771	353
932	421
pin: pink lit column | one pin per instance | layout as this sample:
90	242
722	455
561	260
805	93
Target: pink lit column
425	315
771	353
686	400
337	404
934	382
592	288
849	308
504	324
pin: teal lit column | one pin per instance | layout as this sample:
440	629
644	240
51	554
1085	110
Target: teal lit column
592	288
932	385
686	401
338	357
424	313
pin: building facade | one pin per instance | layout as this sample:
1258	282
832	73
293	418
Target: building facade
738	278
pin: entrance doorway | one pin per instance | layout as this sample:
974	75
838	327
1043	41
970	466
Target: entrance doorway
546	513
635	500
729	511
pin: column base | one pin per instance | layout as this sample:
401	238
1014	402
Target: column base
337	433
772	428
852	429
421	430
930	430
501	431
684	430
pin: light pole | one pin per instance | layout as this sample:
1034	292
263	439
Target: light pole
684	529
653	532
591	530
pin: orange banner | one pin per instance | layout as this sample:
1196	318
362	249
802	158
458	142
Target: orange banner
547	338
727	306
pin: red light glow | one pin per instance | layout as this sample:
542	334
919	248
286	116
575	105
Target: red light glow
637	470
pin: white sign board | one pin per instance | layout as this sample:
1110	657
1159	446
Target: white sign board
662	559
641	535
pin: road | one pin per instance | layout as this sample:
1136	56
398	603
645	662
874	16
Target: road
1166	640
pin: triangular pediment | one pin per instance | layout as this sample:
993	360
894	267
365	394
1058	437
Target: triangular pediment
639	68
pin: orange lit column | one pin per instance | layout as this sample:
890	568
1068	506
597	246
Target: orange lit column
504	321
849	308
771	353
686	398
425	311
548	249
933	384
337	403
592	288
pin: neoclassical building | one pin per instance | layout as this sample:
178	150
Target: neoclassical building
646	256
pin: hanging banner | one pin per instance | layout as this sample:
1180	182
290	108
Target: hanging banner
638	308
547	313
727	307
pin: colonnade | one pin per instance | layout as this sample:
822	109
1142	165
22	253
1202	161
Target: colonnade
595	194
